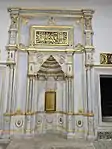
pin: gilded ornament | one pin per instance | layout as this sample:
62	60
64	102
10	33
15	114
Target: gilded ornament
106	58
51	38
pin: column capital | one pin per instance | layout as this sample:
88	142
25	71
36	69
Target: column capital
13	10
88	13
14	14
67	77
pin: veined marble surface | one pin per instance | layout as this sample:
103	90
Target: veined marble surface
50	141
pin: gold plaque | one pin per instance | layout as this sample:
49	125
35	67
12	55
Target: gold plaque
50	101
51	36
105	58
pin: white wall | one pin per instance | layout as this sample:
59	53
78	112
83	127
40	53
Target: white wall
102	23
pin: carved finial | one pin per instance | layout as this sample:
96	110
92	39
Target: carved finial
51	21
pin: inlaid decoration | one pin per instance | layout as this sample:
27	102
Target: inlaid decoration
106	58
104	135
50	36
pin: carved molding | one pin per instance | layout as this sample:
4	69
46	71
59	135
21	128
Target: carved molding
76	13
43	112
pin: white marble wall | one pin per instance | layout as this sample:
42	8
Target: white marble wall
21	80
3	90
28	114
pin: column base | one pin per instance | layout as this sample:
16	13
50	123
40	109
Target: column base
70	135
91	138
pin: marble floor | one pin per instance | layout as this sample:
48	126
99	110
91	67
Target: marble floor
48	141
53	142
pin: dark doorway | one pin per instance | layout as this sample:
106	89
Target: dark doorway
106	97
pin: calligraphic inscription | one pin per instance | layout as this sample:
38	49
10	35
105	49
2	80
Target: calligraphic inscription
106	58
51	38
47	36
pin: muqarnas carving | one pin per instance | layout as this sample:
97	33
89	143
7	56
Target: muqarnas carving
106	58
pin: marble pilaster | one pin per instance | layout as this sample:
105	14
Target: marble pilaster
12	57
10	90
7	118
89	49
70	97
28	105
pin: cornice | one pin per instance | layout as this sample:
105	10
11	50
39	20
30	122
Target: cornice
51	11
99	65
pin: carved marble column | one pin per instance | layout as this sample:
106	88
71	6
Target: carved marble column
11	60
2	97
70	104
29	118
89	50
10	89
37	93
29	105
10	98
30	95
69	94
12	54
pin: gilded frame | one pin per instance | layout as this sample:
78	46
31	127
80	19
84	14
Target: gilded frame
69	30
50	101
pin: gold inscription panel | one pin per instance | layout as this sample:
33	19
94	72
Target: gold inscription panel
51	36
50	101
